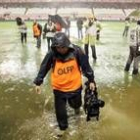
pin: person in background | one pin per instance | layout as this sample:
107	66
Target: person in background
49	32
127	26
134	49
67	62
37	31
67	30
80	27
22	29
90	37
99	27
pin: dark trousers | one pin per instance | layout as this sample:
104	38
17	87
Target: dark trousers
38	41
92	49
49	41
80	33
61	98
125	32
98	35
23	37
133	57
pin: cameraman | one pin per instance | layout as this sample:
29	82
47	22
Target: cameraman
66	62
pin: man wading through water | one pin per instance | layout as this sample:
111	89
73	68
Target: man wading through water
66	61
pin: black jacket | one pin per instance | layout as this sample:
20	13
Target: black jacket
51	56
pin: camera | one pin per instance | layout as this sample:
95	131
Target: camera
92	104
93	107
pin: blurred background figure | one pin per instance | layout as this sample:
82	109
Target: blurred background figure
134	51
49	32
37	31
99	27
80	27
127	26
23	29
90	37
67	29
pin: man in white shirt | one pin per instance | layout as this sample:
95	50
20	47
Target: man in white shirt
134	53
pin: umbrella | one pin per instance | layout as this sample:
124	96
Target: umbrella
135	13
58	19
19	21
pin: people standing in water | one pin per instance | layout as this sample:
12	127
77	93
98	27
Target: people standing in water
80	27
126	28
90	37
49	32
22	29
134	50
37	31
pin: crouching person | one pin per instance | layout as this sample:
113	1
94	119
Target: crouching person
67	62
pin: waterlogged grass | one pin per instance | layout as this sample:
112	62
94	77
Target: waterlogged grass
25	115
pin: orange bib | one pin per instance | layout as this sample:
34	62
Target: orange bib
36	31
66	76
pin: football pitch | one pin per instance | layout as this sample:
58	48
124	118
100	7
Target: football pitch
25	115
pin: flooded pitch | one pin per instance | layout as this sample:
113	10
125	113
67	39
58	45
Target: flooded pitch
25	115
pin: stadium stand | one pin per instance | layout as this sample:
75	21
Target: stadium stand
39	9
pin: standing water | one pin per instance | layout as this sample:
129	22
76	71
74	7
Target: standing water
25	115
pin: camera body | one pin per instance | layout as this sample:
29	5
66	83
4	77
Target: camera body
92	104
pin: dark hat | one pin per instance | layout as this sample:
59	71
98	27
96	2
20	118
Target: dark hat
60	39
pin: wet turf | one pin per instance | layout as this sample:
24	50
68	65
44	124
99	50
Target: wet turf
27	116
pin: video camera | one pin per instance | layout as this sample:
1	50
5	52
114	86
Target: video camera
91	103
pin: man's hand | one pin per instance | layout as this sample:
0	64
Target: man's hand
92	86
38	89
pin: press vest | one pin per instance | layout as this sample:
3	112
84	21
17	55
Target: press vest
66	76
36	30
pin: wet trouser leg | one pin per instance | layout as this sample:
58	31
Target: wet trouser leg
25	37
22	37
86	49
98	35
38	41
48	41
136	64
129	60
75	101
80	34
93	52
61	112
